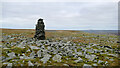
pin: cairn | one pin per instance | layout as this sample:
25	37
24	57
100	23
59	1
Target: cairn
40	31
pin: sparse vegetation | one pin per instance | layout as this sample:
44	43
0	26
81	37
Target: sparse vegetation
82	41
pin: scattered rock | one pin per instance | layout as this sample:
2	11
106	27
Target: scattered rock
34	47
39	53
100	61
79	60
55	50
57	58
32	54
11	55
94	64
45	58
30	63
65	64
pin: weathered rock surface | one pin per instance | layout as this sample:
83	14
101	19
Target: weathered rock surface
40	31
31	52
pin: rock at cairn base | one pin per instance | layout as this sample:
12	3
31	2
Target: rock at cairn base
40	31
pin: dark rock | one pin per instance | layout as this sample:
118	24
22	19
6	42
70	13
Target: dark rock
35	56
40	31
118	41
107	47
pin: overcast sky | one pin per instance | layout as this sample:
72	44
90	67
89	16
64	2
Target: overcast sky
61	15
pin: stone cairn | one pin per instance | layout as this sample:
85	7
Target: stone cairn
40	31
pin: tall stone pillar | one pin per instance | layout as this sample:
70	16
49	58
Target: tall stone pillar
40	31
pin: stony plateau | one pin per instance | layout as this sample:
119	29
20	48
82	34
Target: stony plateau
61	48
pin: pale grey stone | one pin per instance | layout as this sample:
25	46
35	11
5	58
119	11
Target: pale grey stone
87	66
115	55
43	47
106	62
65	64
66	58
90	50
100	61
5	63
18	54
1	57
80	53
32	54
106	57
45	58
28	50
55	51
87	56
48	47
6	48
0	46
95	61
92	57
30	63
23	57
57	58
39	44
37	63
23	61
11	55
6	59
45	51
94	64
95	50
9	65
79	60
34	47
21	46
39	53
111	59
26	57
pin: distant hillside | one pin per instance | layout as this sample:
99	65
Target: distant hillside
102	31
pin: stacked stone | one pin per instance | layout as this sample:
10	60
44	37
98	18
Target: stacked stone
40	31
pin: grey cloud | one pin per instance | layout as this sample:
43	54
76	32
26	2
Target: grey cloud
64	15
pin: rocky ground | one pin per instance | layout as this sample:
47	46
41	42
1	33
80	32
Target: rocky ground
61	48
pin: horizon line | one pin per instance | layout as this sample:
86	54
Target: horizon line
53	29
